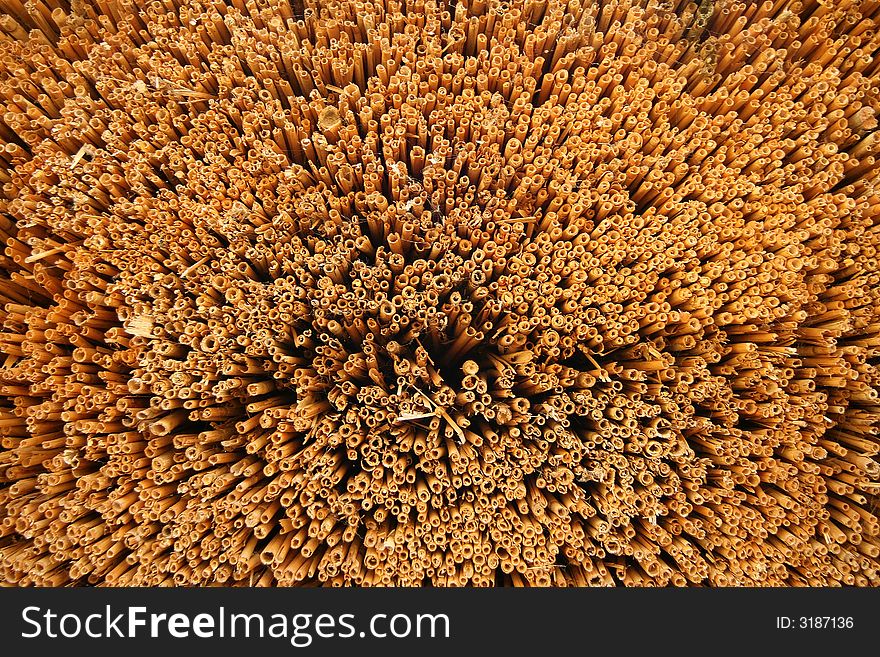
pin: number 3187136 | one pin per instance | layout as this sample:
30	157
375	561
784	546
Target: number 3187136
814	622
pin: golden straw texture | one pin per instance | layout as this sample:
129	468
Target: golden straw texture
471	293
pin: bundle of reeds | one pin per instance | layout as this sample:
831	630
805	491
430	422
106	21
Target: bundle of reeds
470	293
